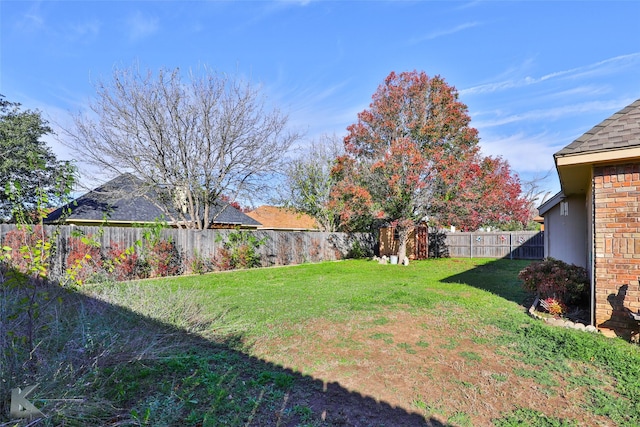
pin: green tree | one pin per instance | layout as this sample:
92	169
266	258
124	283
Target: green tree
30	175
309	182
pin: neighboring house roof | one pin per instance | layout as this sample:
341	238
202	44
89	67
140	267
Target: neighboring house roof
277	218
616	139
125	200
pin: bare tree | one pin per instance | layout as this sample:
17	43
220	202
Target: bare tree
308	182
193	139
535	193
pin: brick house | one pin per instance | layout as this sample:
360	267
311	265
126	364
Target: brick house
595	220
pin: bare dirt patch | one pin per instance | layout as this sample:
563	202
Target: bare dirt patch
441	368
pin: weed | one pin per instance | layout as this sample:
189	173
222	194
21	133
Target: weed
525	417
385	337
381	321
621	411
460	419
451	344
427	407
471	356
541	376
500	377
304	412
407	347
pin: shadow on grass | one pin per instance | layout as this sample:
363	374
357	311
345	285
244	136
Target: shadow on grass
97	363
499	277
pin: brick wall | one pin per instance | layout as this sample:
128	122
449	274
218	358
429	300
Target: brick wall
616	193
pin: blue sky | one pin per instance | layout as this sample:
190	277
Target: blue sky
535	75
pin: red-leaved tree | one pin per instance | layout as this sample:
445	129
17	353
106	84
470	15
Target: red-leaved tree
482	192
413	157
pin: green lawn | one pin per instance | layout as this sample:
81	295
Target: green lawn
254	301
440	342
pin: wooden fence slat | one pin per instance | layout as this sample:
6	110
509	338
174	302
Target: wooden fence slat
282	247
510	244
279	248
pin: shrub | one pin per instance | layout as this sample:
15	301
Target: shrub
552	278
83	258
197	264
359	251
121	263
164	259
27	249
239	251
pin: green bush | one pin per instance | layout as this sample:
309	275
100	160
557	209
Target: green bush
359	251
552	278
239	251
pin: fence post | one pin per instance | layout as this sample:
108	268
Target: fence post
471	245
511	245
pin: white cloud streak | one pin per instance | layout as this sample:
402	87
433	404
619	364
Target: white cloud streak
526	153
555	113
602	67
445	32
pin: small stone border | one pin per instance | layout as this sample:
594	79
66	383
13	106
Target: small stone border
564	323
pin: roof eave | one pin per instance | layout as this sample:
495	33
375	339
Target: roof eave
574	170
597	157
549	204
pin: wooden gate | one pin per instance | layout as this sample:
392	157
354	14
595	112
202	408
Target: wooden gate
422	243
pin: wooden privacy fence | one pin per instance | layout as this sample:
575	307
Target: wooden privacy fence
508	244
279	247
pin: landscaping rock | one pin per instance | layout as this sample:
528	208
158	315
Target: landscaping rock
569	324
579	326
555	322
405	261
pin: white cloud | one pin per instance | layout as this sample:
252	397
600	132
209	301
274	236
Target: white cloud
444	32
530	156
32	21
141	26
553	113
606	66
525	153
83	32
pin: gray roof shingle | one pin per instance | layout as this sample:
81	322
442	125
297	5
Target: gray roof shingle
621	130
126	199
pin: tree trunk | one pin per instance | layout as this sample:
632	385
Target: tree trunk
403	237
